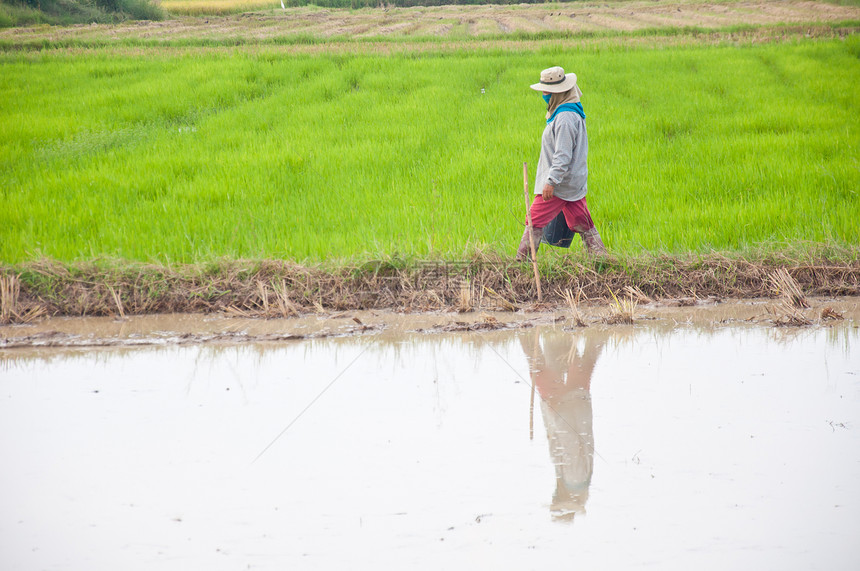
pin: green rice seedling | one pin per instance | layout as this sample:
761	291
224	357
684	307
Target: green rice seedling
179	156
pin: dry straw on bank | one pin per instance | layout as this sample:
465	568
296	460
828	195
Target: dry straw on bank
635	293
12	310
572	302
271	300
788	312
465	299
117	301
9	290
830	314
504	304
787	287
275	288
786	315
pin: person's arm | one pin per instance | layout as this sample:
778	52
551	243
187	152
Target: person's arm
548	191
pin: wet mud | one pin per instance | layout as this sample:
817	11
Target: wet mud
185	329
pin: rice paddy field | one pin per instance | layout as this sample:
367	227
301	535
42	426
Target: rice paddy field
164	150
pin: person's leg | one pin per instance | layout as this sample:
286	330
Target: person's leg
593	242
579	220
542	213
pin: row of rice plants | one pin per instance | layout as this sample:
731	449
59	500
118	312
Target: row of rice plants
190	156
735	150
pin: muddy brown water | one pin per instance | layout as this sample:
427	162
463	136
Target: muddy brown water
698	438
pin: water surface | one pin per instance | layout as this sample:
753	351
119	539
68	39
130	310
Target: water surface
602	448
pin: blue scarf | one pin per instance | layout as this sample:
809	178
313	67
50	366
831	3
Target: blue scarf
575	107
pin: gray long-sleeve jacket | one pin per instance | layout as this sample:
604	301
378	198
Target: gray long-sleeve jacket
564	157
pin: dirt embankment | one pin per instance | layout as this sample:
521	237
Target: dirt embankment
448	22
387	326
284	289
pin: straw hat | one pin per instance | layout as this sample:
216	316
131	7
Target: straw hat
554	80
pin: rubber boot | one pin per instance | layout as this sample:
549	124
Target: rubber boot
592	241
524	251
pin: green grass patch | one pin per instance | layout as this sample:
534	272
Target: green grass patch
184	157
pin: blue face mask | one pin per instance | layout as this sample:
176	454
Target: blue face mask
546	98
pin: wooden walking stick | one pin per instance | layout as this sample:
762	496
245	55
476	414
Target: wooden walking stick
531	235
532	401
532	414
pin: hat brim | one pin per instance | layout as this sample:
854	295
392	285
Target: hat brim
566	85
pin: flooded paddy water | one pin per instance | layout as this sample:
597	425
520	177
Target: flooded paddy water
697	438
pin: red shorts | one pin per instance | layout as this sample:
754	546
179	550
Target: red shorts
576	213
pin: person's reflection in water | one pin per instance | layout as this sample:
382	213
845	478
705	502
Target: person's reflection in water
561	372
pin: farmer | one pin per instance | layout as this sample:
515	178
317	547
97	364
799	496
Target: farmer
561	368
562	172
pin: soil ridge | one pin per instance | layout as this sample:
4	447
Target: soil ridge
278	288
